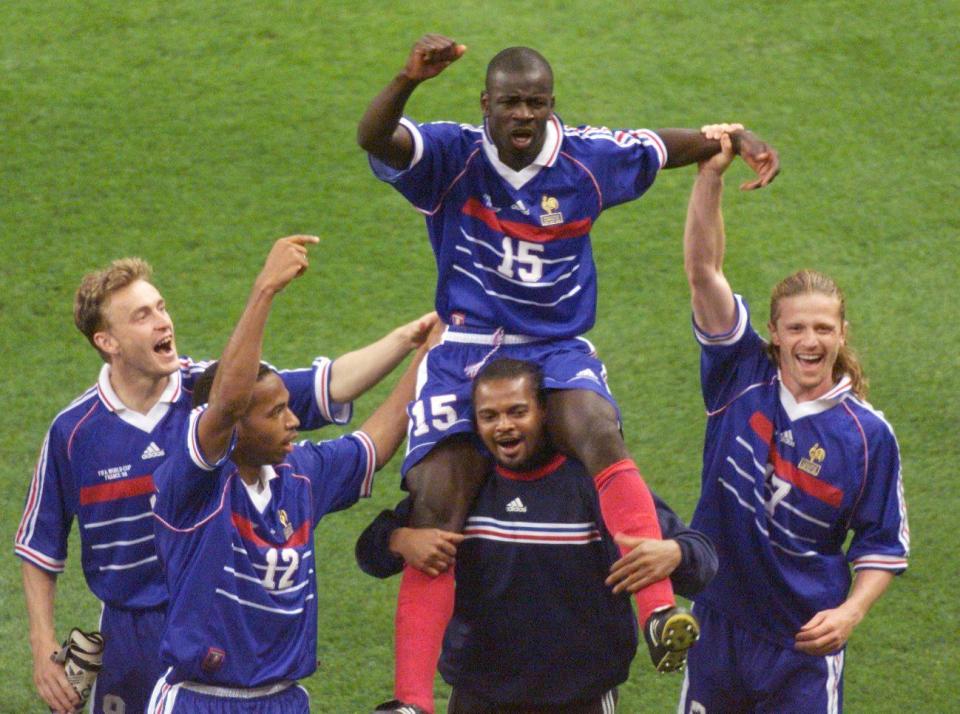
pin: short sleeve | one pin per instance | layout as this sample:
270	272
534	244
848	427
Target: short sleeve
340	470
310	396
731	361
50	506
881	534
187	483
624	162
440	151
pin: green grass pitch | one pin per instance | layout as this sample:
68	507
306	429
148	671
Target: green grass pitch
194	133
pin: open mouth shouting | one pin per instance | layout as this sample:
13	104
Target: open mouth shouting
521	139
509	447
164	346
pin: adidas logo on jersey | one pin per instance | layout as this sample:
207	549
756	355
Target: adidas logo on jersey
786	437
152	452
520	208
516	506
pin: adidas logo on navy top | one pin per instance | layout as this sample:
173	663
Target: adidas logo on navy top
516	506
152	452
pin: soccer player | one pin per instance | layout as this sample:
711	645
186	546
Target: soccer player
237	504
536	626
96	465
795	460
509	207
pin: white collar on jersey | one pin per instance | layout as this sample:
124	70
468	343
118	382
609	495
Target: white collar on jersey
259	492
547	156
797	410
144	422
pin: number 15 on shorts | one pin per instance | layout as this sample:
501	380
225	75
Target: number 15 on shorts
441	414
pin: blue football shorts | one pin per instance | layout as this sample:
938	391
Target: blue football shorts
730	671
442	407
131	660
192	698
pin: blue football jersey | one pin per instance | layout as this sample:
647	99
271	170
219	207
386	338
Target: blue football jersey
533	621
784	482
239	561
97	464
513	247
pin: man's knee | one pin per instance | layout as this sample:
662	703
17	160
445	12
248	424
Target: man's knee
445	483
583	424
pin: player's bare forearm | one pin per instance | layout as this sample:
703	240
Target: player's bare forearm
355	372
387	426
39	589
703	247
829	630
379	132
237	370
868	586
689	146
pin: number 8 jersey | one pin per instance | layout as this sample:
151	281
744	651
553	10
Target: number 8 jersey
513	247
238	559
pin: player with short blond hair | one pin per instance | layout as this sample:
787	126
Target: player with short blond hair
96	465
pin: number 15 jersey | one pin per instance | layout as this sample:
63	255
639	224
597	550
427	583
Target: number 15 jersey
513	247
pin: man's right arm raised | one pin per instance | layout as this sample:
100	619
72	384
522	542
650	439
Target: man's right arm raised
380	133
236	374
714	309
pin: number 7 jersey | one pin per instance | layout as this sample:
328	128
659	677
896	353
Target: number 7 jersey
513	247
783	484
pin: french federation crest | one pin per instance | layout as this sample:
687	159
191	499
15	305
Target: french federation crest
550	216
811	463
285	522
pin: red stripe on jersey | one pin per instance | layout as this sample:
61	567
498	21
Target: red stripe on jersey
810	485
39	558
246	531
32	493
762	427
115	490
526	231
563	538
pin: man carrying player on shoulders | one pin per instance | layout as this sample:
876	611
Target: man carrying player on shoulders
509	207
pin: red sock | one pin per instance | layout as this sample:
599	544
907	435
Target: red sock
627	507
424	607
